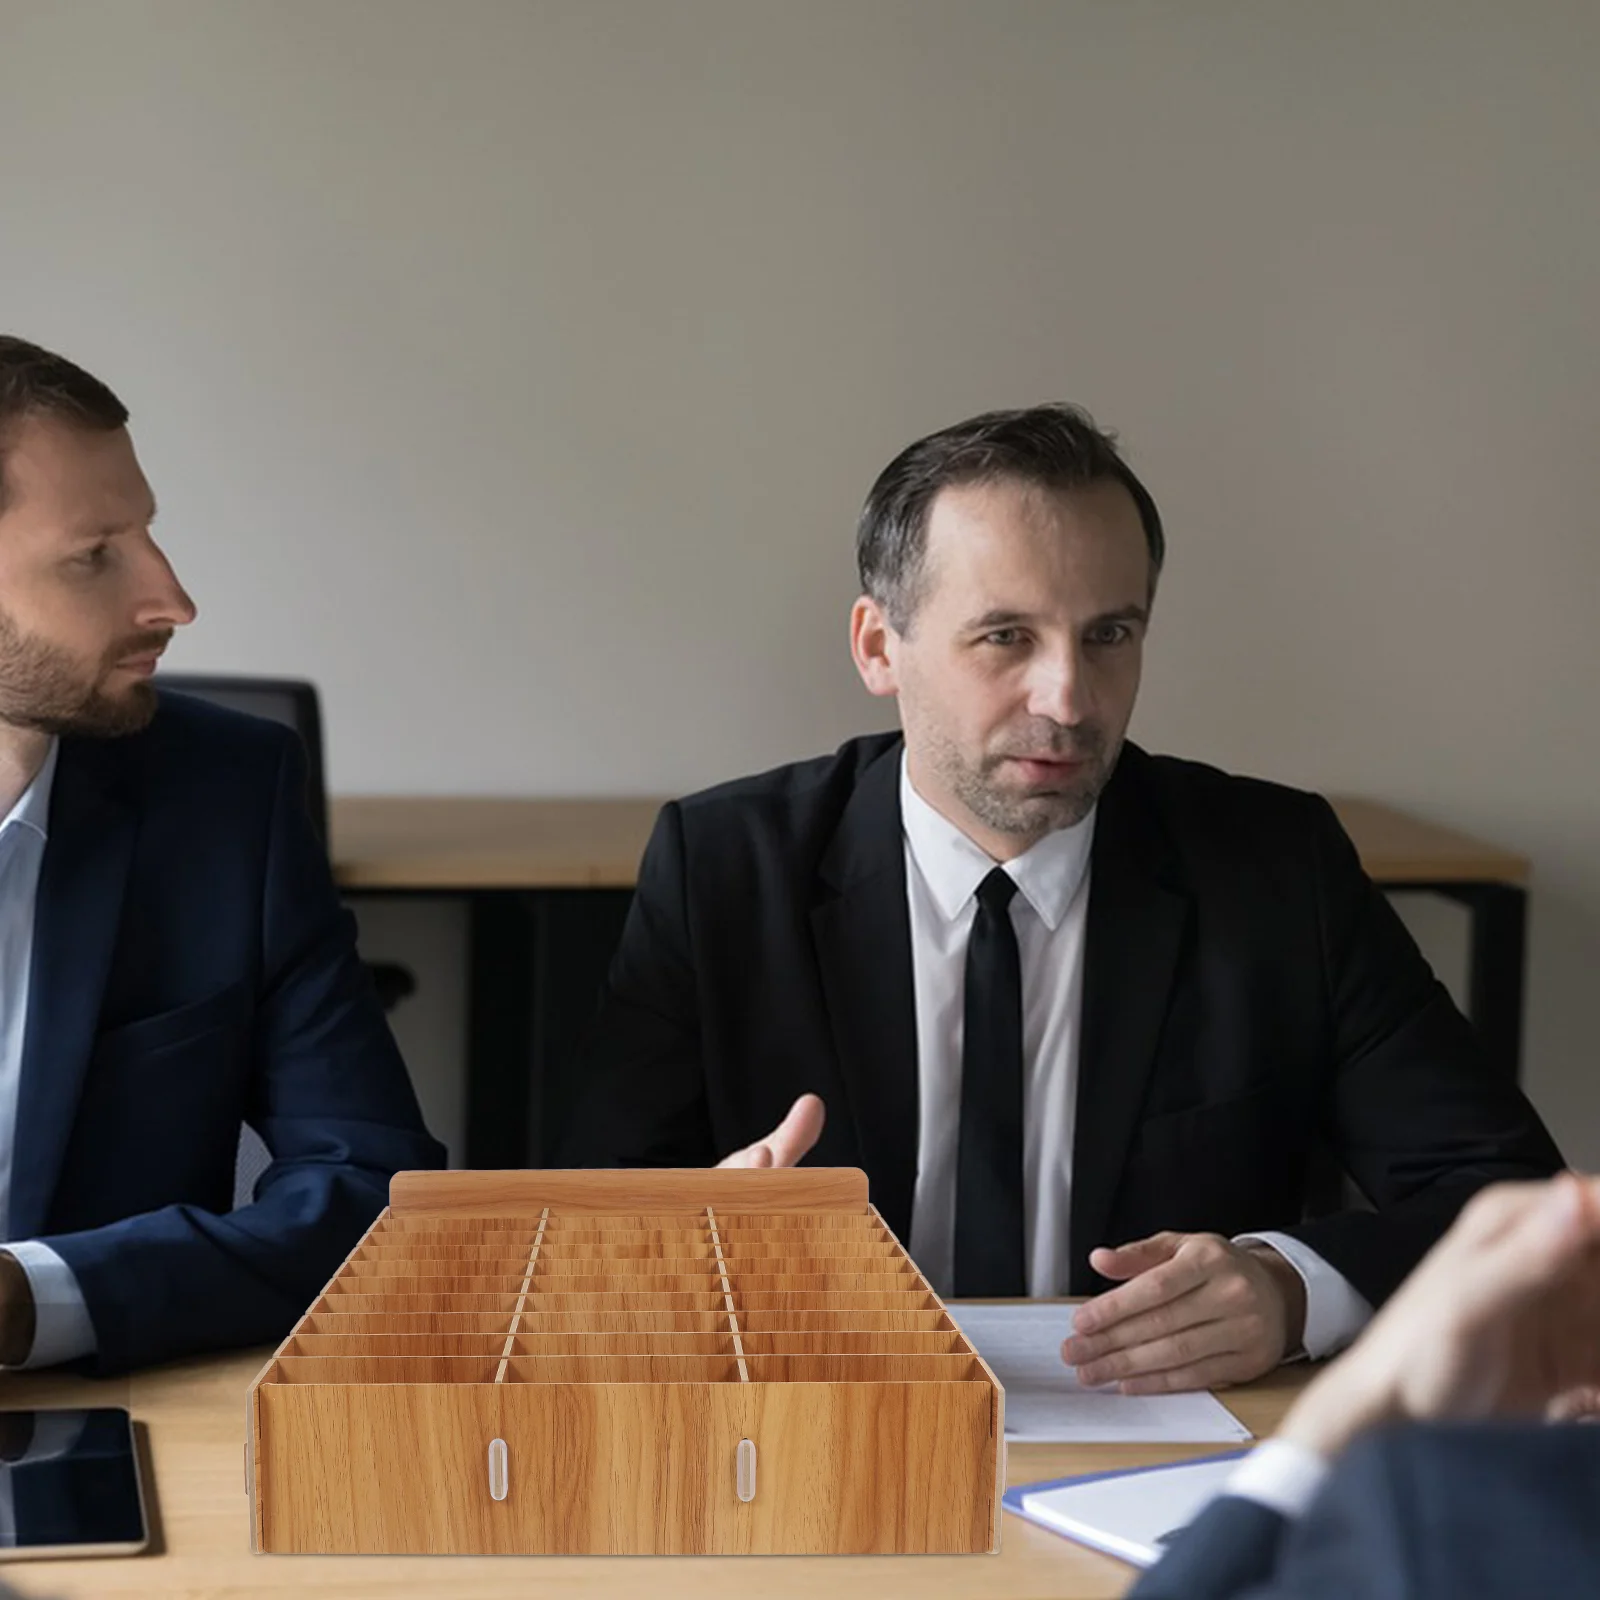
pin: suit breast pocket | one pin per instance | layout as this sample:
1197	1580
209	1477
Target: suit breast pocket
150	1037
158	1119
1171	1131
1224	1167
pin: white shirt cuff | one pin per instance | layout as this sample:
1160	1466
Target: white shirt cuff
1281	1476
1336	1311
62	1330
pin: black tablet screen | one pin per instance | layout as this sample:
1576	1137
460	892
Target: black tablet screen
68	1478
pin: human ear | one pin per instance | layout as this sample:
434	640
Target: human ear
872	647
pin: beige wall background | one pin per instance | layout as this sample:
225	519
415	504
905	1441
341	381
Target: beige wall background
515	370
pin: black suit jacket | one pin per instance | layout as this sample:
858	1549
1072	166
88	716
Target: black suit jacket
193	970
1246	992
1456	1512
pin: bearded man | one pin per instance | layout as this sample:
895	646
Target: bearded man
174	960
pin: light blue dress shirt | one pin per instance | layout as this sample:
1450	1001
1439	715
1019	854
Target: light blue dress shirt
62	1329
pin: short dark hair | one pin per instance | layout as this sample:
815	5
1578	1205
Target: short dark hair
37	383
1054	446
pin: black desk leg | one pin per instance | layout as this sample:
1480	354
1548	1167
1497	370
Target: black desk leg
537	961
1499	913
1499	961
502	943
578	934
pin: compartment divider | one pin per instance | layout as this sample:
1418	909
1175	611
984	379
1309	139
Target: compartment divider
727	1295
522	1299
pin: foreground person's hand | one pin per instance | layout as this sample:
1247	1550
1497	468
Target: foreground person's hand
1501	1318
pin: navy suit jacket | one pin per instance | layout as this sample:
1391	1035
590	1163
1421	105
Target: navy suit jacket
193	969
1490	1511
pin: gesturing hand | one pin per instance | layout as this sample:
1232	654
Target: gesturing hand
788	1142
1197	1312
1501	1317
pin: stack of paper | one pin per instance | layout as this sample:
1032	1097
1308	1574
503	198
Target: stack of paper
1045	1401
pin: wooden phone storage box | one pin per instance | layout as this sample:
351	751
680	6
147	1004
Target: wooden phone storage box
633	1362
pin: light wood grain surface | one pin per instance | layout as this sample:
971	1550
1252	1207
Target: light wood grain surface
195	1416
1396	847
373	1438
520	1191
396	842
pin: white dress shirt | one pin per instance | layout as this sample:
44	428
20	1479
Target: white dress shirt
62	1328
1280	1475
943	870
1049	912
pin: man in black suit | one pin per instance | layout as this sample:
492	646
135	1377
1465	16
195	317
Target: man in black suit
1057	994
1501	1320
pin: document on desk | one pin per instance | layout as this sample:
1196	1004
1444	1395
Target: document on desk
1046	1403
1131	1514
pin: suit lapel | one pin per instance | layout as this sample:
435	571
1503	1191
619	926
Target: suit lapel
1137	917
76	919
862	932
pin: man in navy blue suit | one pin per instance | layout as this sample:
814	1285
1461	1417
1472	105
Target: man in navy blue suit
174	960
1402	1471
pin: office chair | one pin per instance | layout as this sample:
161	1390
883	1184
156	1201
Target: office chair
292	703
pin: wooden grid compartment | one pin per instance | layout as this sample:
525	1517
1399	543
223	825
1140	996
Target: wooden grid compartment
593	1362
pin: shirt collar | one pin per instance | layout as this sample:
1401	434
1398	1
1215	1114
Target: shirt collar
32	809
1048	874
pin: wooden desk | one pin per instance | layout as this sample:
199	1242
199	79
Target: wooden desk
548	884
400	843
194	1415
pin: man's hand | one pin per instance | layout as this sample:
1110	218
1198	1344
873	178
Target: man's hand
1198	1313
1502	1317
1575	1405
16	1312
788	1142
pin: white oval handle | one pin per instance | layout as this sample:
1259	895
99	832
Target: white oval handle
499	1469
745	1470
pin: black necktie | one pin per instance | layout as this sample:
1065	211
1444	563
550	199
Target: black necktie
988	1254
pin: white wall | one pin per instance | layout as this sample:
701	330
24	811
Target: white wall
516	370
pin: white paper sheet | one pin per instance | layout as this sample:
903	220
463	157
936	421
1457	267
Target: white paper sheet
1131	1515
1045	1402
